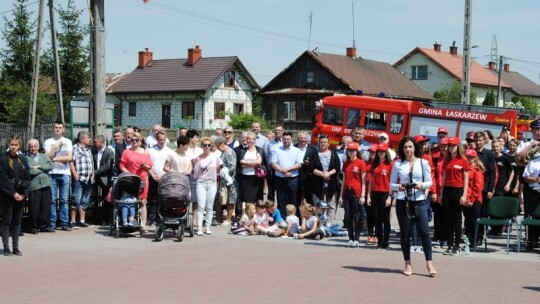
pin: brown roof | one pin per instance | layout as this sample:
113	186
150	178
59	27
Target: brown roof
522	85
370	76
453	65
174	75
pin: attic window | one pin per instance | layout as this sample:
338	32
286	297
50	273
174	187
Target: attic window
230	78
310	77
419	72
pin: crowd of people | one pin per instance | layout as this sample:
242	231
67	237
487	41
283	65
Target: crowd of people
250	182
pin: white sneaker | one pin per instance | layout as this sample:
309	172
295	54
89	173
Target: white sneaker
419	249
350	244
413	248
199	232
207	231
356	244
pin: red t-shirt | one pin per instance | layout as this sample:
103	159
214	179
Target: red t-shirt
454	169
476	184
381	178
353	175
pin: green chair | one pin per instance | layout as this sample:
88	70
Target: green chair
532	220
501	211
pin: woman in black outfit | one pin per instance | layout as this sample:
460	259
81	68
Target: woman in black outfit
14	182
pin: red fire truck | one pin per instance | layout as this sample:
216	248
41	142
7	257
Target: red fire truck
339	115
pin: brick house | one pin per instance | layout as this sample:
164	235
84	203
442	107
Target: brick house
196	92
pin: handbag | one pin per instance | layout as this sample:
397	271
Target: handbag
260	172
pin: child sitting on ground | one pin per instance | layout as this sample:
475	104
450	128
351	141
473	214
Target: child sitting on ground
127	208
278	225
310	223
262	218
247	222
329	229
293	223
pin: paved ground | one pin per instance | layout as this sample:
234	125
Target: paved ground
88	266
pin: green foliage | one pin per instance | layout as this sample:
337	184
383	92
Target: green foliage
185	122
257	106
243	121
15	99
490	99
18	56
452	93
527	103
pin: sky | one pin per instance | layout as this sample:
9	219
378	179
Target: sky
268	35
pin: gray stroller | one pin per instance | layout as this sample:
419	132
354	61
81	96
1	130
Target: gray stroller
174	206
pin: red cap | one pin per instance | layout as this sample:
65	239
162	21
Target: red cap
374	148
471	153
444	141
454	141
383	147
442	130
420	138
353	146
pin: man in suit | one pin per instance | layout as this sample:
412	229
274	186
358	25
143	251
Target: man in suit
103	172
310	159
118	146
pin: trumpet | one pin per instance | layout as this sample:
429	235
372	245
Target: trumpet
532	154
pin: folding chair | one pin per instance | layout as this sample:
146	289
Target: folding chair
501	211
532	220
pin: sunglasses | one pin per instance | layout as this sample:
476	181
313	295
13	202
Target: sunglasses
228	132
207	145
135	140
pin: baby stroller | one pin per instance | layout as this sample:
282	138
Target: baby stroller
174	206
131	184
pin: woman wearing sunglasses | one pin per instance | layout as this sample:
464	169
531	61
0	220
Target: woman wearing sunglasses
136	160
206	171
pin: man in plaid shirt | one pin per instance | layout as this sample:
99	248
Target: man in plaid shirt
82	171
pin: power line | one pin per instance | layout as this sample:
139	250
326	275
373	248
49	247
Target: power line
522	60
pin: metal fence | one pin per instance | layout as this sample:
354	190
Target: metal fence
41	133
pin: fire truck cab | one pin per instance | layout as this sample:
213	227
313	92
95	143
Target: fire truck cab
339	115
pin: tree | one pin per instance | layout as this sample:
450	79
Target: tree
73	53
18	56
527	103
16	95
490	99
452	93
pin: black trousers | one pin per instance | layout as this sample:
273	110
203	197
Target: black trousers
106	207
39	203
439	233
152	200
471	214
381	215
414	213
352	215
12	212
453	215
531	199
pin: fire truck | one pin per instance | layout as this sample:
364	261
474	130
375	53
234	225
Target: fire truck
337	116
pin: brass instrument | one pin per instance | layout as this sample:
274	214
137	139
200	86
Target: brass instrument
532	154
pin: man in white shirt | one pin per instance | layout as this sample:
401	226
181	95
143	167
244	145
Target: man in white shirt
260	140
158	153
286	162
60	151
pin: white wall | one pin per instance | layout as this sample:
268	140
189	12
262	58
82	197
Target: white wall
437	77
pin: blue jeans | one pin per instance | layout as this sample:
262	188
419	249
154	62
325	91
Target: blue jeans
127	210
416	213
60	191
206	194
80	195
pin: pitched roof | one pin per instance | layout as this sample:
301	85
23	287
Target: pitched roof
372	77
522	85
453	65
174	75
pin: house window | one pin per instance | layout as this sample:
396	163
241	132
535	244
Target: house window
287	110
238	108
132	109
419	72
230	78
219	110
310	77
188	109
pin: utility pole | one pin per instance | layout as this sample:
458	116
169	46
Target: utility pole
310	24
466	76
35	73
97	42
500	103
57	80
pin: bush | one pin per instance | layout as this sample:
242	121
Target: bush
243	121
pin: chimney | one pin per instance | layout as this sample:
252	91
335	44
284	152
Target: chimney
437	47
194	55
491	65
351	52
144	58
453	50
506	67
